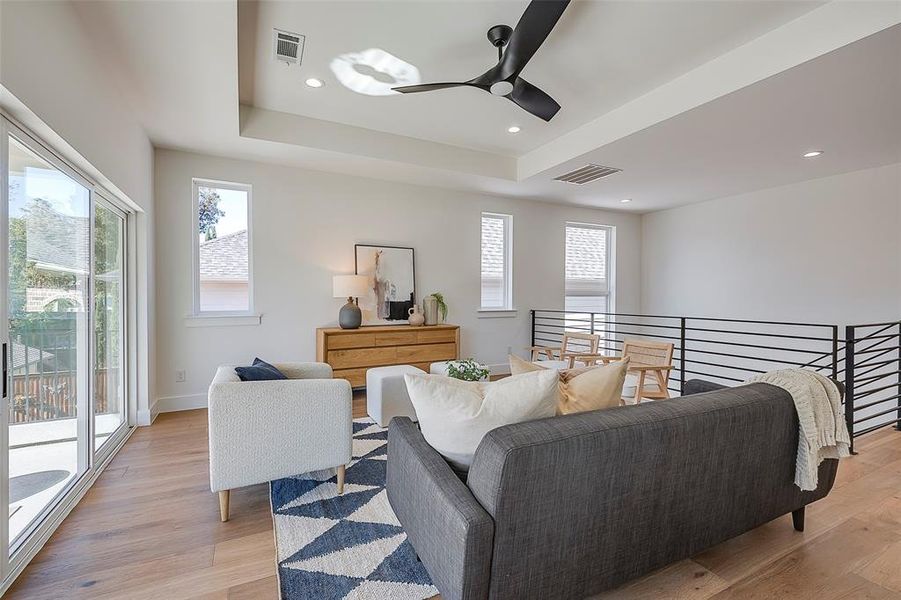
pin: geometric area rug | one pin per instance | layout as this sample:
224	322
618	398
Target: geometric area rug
349	546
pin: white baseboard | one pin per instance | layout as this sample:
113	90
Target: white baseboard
177	403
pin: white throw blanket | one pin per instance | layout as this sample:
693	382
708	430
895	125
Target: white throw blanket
822	432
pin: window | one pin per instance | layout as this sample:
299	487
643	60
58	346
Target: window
222	267
588	260
497	256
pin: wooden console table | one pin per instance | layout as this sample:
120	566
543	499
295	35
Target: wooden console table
351	352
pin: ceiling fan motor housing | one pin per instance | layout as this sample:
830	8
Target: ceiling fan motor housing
499	35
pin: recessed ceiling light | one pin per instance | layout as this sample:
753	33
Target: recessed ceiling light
314	83
513	129
812	153
624	200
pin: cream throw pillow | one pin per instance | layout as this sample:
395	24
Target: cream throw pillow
455	415
582	389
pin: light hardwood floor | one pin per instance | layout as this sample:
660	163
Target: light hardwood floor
149	528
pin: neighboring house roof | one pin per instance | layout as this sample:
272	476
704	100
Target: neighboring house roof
586	253
59	242
34	356
224	258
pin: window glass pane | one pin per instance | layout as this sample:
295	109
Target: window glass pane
224	264
494	259
587	277
49	267
109	319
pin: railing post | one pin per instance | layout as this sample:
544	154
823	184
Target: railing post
681	356
849	382
835	352
592	323
533	327
898	414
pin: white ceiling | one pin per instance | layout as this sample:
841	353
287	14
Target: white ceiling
693	100
600	55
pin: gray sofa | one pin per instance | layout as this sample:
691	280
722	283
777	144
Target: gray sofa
570	506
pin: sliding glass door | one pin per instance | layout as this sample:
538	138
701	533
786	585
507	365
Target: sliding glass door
109	322
47	310
62	325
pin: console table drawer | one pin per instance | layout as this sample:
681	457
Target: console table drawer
360	340
426	353
435	336
362	357
396	338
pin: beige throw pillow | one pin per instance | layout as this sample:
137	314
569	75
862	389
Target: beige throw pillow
455	415
582	389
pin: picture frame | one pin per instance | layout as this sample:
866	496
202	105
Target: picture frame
392	272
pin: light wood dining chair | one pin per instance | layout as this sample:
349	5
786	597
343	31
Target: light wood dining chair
650	364
572	347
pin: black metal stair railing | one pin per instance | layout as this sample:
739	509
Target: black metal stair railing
732	350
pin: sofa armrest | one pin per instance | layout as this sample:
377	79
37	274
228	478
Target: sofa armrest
449	529
305	370
265	430
699	386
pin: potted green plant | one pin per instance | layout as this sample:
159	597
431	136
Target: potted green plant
467	369
442	306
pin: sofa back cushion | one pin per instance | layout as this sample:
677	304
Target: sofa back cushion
584	502
455	415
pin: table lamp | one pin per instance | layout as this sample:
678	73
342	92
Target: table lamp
350	287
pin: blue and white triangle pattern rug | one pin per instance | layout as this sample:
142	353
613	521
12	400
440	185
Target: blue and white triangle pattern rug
350	546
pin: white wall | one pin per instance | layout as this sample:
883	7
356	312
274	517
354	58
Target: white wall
824	250
54	81
305	225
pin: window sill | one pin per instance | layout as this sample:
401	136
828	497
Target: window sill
222	320
497	313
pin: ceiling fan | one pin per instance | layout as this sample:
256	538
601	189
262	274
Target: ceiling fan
515	47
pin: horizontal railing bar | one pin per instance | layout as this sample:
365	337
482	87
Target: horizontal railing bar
887	323
755	321
716	376
879	414
818	352
871	379
746	357
710	364
873	391
875	427
875	365
600	323
874	349
779	335
876	402
869	335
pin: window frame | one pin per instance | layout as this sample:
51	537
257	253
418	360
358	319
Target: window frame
609	259
507	284
196	312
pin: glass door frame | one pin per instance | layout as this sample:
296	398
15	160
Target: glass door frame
13	559
101	454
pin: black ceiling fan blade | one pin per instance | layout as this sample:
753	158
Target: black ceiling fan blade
533	100
426	87
534	26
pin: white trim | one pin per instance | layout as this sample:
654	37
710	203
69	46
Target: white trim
4	339
222	320
196	183
178	403
54	518
496	313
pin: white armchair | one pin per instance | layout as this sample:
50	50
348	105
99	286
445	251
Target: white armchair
265	430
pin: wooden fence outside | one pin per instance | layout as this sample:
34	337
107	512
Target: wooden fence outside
52	395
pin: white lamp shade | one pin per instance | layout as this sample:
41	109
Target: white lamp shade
349	286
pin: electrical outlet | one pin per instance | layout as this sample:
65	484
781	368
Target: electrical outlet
179	376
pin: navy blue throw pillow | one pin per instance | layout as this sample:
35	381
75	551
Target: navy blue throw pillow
260	371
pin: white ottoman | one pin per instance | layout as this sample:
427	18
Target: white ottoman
386	393
438	368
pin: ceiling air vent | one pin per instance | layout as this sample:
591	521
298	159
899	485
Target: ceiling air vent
287	47
587	174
